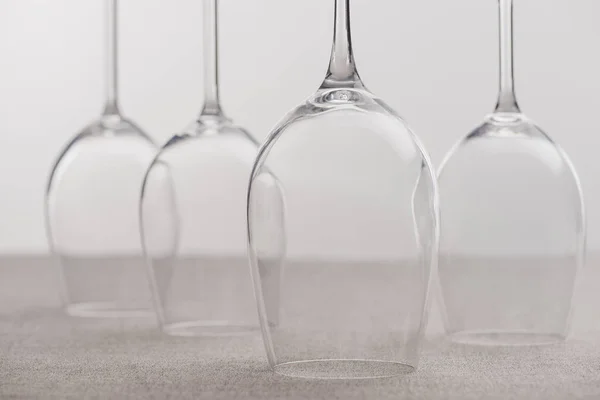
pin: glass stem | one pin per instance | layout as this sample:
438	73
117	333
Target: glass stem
212	106
342	68
507	101
111	106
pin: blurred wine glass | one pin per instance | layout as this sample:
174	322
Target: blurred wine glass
193	217
91	207
512	225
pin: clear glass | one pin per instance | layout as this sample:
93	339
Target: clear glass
512	226
342	222
91	208
193	217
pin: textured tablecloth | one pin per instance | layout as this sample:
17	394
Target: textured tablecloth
45	354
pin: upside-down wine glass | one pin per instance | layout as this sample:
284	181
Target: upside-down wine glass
91	208
193	217
355	238
512	226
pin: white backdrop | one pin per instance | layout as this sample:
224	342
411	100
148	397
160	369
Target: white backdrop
432	60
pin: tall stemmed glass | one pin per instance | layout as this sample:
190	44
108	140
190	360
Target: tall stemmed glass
193	208
91	207
353	240
512	225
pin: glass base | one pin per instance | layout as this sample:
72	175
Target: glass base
209	328
506	338
343	369
106	310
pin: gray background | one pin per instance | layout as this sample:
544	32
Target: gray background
434	61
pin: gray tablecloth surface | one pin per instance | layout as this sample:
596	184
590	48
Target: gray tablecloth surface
45	354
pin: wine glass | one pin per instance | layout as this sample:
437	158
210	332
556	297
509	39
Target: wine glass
512	225
193	217
348	247
91	208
